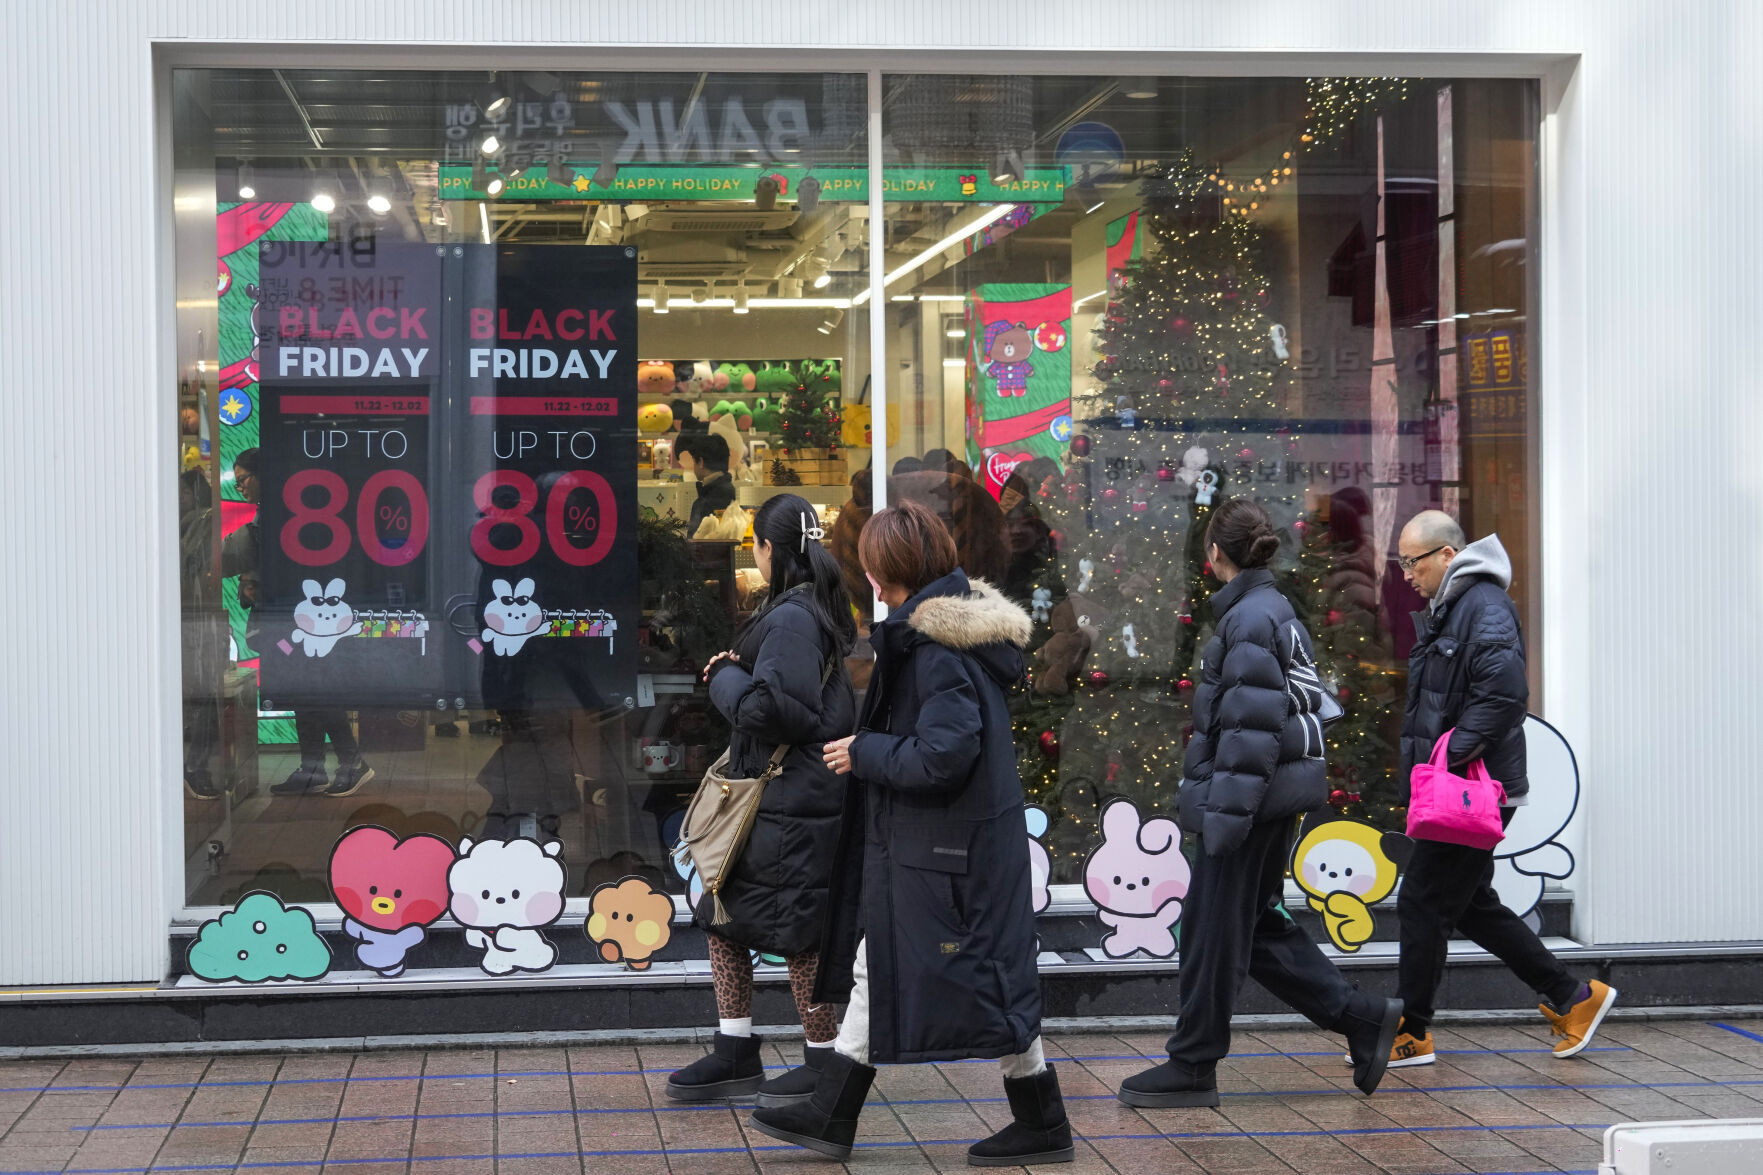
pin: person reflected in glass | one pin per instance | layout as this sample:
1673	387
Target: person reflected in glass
705	455
783	687
240	556
1256	761
204	635
932	928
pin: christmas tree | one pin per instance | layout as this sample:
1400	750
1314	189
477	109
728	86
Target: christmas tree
1185	412
808	418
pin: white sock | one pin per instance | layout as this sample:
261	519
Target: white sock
822	1044
743	1026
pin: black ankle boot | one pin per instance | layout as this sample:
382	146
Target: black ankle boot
732	1069
827	1121
1171	1084
1370	1027
796	1085
1039	1132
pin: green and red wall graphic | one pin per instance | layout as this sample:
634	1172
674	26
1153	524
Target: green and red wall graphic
1018	377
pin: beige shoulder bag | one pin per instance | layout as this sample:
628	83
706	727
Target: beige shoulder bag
720	817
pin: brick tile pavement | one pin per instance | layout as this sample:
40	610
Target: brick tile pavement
1495	1102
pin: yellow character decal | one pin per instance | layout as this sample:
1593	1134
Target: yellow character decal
630	920
1343	868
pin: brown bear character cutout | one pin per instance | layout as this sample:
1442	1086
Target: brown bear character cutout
1062	658
1009	346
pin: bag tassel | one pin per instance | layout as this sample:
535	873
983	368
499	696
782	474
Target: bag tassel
718	912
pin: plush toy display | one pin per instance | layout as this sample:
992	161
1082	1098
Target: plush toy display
735	375
691	379
654	377
1061	659
654	418
764	414
775	380
742	413
720	409
824	372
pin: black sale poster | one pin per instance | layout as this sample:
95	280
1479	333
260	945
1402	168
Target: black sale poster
545	446
352	383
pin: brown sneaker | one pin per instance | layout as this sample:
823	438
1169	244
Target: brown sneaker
1579	1023
1408	1051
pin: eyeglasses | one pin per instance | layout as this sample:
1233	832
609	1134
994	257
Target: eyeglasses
1408	562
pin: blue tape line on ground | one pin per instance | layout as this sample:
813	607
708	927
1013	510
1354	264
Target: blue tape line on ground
294	1081
1740	1031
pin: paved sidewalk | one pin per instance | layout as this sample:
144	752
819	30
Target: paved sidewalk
1495	1102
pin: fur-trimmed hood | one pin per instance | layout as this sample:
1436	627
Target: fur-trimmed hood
983	616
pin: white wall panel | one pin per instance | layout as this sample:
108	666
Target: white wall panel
1650	408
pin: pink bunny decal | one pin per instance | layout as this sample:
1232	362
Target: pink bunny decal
1137	877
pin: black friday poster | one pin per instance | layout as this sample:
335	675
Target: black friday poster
352	389
449	476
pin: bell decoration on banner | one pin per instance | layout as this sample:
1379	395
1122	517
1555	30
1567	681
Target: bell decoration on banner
1049	744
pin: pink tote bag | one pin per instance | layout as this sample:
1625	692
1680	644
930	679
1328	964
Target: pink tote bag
1455	809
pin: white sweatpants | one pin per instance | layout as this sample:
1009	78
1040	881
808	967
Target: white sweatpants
853	1039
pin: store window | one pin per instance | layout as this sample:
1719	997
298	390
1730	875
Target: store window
461	354
481	376
1113	303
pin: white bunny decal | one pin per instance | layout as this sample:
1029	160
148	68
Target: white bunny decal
513	616
323	618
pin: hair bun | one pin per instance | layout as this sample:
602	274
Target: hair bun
1263	547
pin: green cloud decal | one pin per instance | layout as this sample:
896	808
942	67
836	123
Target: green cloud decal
257	941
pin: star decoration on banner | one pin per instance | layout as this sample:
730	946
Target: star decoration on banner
581	182
236	408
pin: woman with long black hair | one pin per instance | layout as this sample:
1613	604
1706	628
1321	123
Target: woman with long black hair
783	684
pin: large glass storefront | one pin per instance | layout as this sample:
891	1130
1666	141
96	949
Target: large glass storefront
502	362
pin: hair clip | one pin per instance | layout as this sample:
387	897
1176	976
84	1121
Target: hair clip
809	532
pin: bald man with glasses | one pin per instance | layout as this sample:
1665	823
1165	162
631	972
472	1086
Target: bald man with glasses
1466	677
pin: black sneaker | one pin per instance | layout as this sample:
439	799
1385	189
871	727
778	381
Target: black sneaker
305	779
201	786
349	779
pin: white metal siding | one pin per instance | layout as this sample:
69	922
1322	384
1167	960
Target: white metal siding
1649	407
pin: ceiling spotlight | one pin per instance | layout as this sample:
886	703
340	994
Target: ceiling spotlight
483	181
495	186
699	293
498	102
823	280
814	272
661	298
606	172
490	147
379	204
741	299
1140	88
831	322
807	194
247	182
765	191
324	202
789	287
1008	167
559	172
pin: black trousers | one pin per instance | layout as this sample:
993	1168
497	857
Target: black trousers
310	729
1450	887
1235	923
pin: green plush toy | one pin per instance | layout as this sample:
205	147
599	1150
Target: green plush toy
776	380
735	375
824	372
764	415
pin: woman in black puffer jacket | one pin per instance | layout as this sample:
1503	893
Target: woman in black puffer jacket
1255	762
783	684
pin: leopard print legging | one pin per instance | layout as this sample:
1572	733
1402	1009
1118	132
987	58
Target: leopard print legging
731	972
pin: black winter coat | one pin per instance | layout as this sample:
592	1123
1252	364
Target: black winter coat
1257	751
716	491
776	894
934	867
1466	670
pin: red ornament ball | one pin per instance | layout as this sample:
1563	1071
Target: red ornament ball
1185	684
1165	474
1344	694
1080	445
1337	797
1182	325
1301	526
1110	494
1334	616
1245	453
1098	678
1050	336
1049	744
